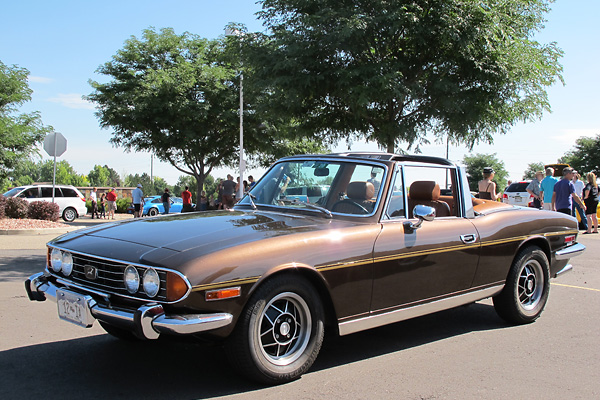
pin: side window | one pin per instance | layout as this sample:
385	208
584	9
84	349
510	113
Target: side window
362	191
31	193
68	192
434	187
395	208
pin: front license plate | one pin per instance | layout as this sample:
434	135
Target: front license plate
73	307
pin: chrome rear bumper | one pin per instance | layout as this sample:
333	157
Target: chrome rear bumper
148	321
569	252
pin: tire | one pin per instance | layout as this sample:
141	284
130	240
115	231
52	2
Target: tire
119	333
69	214
153	211
280	332
527	287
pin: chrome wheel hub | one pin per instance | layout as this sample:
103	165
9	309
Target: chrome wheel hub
530	285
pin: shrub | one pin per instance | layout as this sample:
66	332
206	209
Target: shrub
2	206
16	208
43	210
122	204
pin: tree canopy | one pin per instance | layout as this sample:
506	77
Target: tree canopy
19	133
474	168
532	168
585	155
393	71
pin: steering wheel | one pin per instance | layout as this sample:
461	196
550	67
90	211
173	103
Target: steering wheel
352	203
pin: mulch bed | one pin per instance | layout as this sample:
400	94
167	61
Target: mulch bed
9	223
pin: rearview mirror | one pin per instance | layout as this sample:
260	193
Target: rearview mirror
321	171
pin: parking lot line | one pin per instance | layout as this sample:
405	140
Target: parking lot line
576	287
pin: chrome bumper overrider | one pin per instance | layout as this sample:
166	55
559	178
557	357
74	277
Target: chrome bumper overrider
569	252
148	321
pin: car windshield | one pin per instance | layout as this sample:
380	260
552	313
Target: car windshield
13	191
518	187
320	186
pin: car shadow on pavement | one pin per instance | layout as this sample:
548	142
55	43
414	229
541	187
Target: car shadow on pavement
19	268
102	367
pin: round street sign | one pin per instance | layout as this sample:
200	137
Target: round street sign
55	144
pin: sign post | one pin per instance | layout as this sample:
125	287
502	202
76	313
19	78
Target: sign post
55	145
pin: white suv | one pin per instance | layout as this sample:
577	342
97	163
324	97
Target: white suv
70	201
517	195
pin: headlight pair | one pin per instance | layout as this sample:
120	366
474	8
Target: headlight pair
61	261
150	281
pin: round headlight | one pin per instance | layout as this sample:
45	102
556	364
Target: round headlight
132	279
151	282
56	260
67	264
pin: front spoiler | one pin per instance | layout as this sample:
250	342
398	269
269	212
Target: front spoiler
147	322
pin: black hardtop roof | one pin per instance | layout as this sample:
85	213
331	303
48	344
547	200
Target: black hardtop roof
386	157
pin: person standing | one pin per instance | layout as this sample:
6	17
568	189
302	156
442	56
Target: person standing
166	200
590	199
94	200
102	206
578	185
111	203
203	201
487	188
534	189
251	182
138	200
228	191
564	193
186	197
547	189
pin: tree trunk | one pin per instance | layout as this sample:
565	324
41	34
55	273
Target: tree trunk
199	189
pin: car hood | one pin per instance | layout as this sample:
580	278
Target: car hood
203	232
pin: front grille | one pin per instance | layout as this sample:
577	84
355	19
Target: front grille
110	276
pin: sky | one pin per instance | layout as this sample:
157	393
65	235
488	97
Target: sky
62	43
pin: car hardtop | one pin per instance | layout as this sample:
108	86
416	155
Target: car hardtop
388	158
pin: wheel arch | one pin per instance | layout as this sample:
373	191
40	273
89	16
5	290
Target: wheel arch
536	241
315	279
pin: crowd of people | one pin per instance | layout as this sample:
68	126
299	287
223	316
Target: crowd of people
569	195
107	203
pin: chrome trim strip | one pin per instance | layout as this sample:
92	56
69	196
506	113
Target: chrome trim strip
402	314
148	320
70	283
571	251
567	268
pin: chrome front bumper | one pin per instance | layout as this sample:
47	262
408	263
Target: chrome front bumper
148	321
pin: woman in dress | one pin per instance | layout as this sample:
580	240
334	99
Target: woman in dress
487	188
590	198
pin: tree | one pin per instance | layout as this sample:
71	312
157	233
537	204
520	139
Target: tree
104	176
532	168
19	133
178	97
28	172
474	168
393	71
585	155
150	186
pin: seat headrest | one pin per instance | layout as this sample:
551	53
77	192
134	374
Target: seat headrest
360	190
424	191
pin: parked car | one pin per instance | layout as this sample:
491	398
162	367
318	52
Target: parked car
153	205
271	276
517	195
70	201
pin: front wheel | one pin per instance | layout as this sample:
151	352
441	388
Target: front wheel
153	211
69	215
280	332
526	291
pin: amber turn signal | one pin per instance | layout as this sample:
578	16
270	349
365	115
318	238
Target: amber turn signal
226	293
176	287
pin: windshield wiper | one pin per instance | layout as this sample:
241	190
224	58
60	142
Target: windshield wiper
252	198
314	207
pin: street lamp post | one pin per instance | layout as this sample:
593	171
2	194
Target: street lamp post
242	166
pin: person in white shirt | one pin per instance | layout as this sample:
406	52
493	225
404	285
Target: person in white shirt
579	185
94	200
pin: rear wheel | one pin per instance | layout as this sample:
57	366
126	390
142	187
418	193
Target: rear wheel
69	214
526	291
280	332
153	211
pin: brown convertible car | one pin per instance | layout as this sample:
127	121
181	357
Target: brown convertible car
338	243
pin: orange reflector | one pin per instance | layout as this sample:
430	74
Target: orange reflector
176	287
220	294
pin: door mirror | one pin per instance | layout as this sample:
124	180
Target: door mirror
423	213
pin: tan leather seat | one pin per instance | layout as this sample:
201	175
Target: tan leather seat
359	193
427	193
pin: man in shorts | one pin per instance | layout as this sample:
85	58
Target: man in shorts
138	200
111	203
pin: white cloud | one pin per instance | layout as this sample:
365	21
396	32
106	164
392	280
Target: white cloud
72	100
40	79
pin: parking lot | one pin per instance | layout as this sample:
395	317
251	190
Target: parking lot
464	353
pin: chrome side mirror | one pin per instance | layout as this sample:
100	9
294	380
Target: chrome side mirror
423	213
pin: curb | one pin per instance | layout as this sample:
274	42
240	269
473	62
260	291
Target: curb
46	231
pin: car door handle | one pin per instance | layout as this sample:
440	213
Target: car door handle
471	238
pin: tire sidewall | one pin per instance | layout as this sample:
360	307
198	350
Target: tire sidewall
68	211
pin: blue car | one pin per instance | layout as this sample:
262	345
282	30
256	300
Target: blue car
153	205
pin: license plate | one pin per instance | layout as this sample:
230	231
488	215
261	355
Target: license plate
73	307
518	199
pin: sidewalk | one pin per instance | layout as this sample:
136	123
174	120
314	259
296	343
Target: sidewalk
79	223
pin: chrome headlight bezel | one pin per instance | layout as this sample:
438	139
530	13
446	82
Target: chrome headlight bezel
151	282
56	260
131	278
67	263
